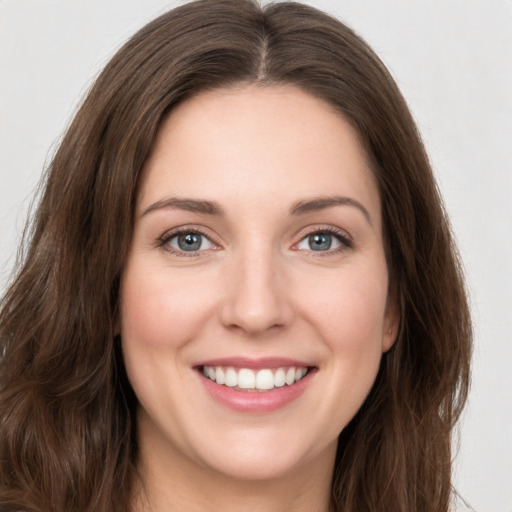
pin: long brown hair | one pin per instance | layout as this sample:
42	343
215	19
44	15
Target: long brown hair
67	412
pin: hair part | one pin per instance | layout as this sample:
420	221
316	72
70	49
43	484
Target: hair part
67	412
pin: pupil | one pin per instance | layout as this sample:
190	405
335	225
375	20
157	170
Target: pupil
320	242
189	242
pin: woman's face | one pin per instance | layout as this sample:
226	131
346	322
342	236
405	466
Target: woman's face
257	259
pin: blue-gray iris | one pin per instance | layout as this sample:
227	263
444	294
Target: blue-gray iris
320	241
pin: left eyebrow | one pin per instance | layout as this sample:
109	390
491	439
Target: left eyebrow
321	203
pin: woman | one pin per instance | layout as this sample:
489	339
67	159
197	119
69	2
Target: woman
241	290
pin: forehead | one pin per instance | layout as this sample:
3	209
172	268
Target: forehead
261	143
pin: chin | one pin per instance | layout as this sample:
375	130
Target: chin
256	468
257	457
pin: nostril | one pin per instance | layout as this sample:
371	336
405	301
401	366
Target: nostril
253	321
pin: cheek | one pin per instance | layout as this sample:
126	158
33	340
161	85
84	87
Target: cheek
349	310
352	328
160	309
349	316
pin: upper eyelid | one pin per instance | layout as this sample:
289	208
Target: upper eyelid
164	240
321	228
310	230
305	230
163	243
343	235
171	233
344	239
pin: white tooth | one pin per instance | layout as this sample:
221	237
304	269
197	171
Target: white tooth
264	379
299	373
211	373
205	371
231	378
279	378
290	376
220	376
246	379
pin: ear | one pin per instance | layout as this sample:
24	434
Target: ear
391	324
116	324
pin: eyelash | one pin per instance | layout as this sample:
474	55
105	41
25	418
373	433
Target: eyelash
342	236
164	240
345	241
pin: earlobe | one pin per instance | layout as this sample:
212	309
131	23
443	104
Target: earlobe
117	326
391	326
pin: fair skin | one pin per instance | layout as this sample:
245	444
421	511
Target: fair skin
278	262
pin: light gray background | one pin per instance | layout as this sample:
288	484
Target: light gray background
453	62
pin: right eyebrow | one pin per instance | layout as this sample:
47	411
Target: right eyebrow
191	205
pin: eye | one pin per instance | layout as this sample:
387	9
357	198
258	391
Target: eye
324	241
188	241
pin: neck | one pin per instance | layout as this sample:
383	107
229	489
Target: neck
232	496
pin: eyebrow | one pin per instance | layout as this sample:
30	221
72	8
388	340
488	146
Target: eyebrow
191	205
298	208
321	203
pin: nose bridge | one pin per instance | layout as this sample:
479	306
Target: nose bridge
256	299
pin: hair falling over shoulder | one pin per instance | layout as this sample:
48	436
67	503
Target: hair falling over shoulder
67	411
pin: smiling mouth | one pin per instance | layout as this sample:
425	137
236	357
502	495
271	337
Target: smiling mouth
246	379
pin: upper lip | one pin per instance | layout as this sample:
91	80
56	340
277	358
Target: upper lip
254	363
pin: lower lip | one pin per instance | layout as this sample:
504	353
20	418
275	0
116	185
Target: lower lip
256	401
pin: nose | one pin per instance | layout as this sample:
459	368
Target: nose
257	297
